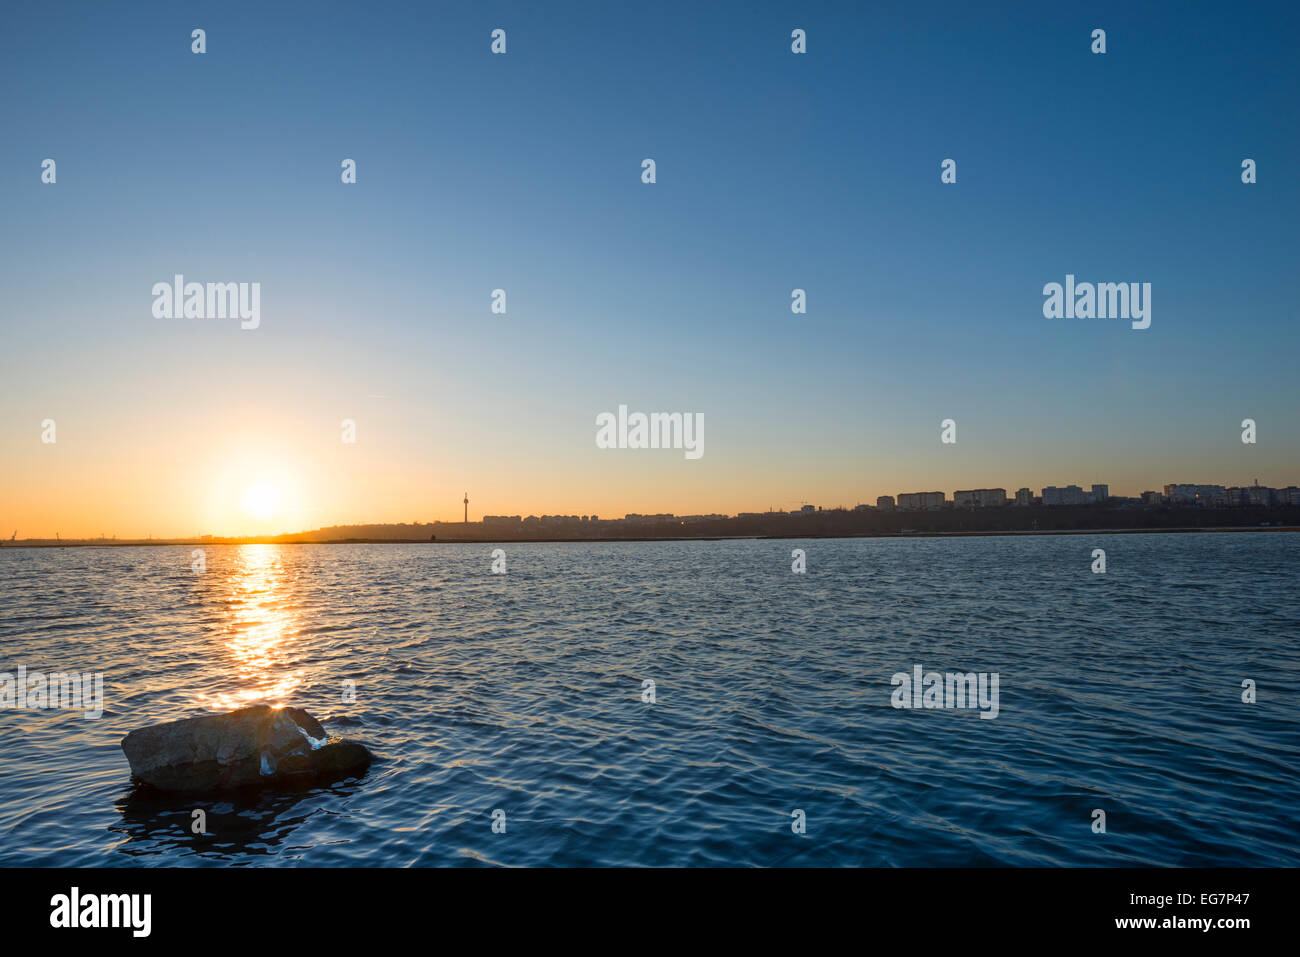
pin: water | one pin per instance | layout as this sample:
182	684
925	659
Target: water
523	692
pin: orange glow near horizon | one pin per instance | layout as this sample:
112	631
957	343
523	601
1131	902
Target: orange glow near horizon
265	467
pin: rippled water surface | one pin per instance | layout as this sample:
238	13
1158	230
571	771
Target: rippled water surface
523	692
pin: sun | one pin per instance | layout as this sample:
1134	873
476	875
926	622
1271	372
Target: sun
261	501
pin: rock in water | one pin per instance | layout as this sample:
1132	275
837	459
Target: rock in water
249	747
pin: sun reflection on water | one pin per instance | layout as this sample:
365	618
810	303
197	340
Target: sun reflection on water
260	632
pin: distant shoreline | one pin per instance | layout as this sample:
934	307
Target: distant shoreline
172	543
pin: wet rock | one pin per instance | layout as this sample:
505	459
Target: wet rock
251	747
306	722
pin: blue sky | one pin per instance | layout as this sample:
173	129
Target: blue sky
775	171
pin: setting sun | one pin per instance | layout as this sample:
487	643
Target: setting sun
262	501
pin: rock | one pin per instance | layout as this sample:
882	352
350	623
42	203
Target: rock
305	721
250	747
340	756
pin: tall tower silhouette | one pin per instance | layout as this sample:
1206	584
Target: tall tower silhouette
467	508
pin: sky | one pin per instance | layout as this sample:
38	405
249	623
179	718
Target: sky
523	172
